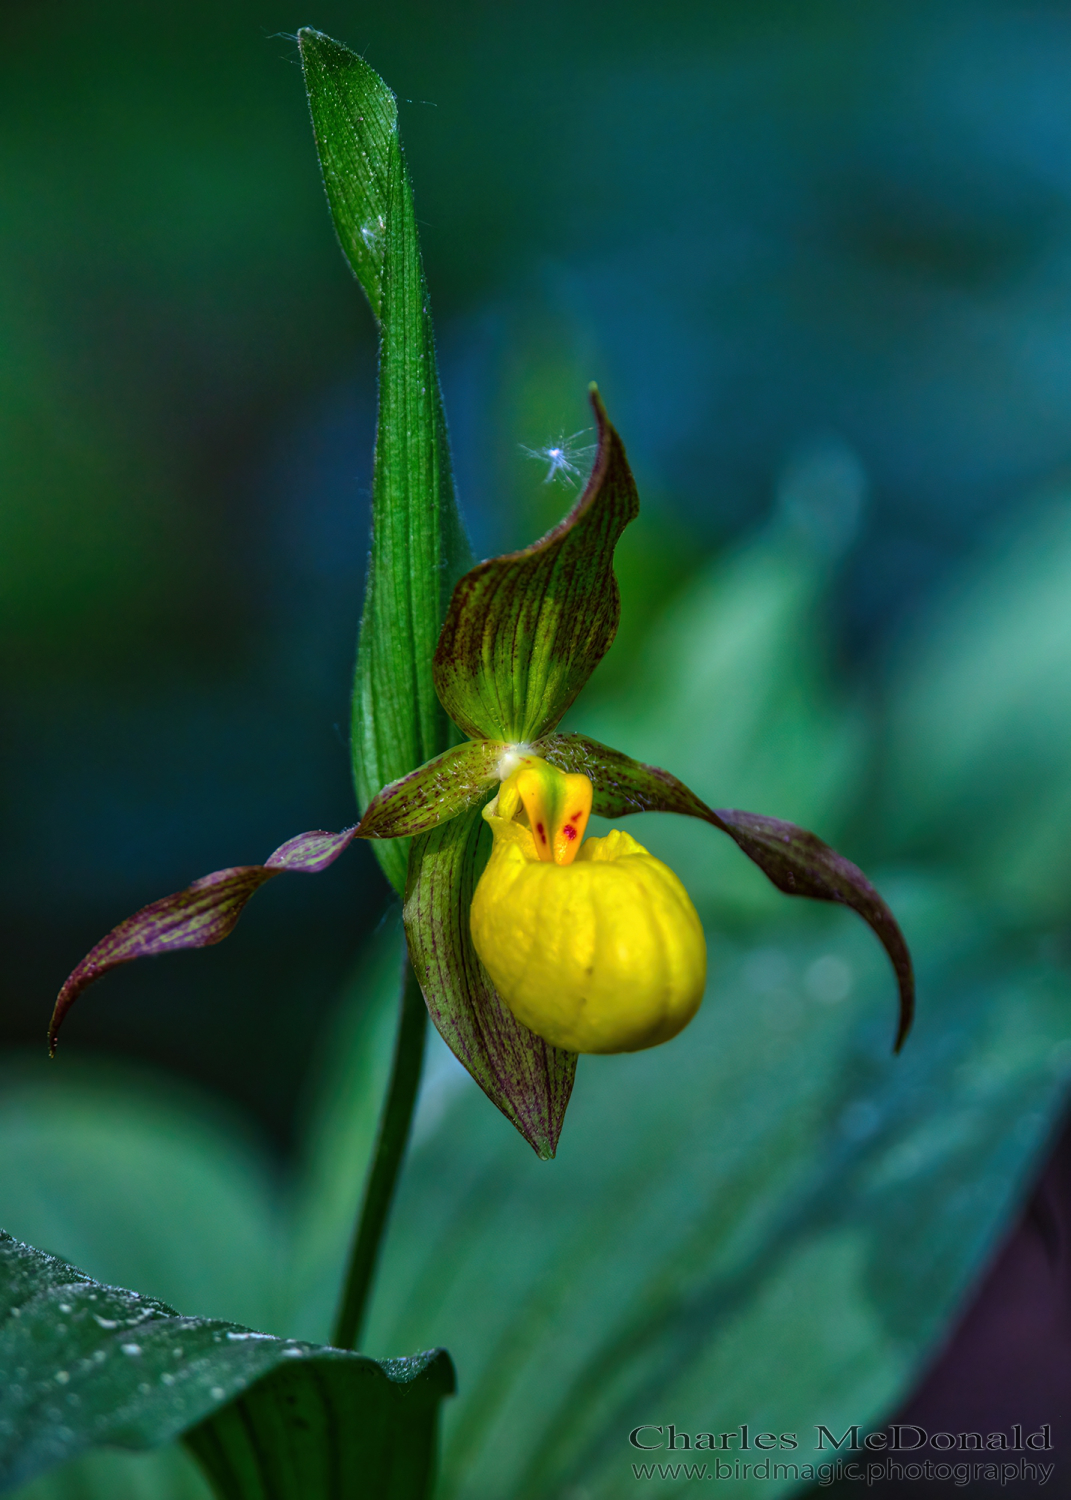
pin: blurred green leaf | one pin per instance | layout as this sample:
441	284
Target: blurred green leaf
84	1365
340	1126
418	545
168	1473
732	694
769	1216
980	720
142	1182
153	1185
768	1220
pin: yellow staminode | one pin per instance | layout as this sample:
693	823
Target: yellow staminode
595	946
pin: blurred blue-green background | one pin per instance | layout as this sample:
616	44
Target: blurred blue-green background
819	260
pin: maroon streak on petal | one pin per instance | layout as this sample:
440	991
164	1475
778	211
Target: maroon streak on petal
524	632
433	793
308	853
202	914
622	785
529	1080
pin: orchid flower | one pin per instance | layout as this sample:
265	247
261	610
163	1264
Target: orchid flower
527	942
558	946
552	946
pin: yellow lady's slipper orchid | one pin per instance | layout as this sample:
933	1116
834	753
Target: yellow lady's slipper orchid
595	946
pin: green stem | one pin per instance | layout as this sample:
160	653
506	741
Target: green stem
391	1142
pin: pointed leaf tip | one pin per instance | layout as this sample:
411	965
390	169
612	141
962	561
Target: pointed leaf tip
525	631
418	543
203	914
355	122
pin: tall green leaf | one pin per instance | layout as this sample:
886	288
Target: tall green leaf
83	1365
418	545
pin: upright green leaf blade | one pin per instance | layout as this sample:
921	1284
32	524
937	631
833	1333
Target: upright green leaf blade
524	632
355	122
418	545
83	1365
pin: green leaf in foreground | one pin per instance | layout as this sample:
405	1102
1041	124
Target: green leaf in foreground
418	545
336	1430
83	1365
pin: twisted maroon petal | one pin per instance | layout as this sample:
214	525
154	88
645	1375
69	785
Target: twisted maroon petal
524	632
793	859
202	914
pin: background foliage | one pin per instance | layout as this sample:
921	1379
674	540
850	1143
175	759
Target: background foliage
818	261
